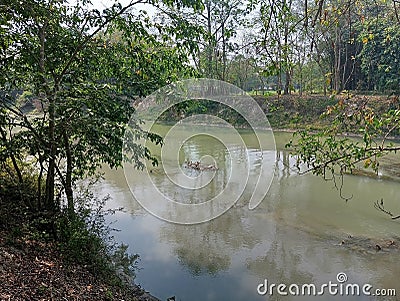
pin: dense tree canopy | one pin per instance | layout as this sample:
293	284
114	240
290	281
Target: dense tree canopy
380	55
82	69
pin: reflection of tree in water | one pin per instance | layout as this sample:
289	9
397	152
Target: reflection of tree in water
282	263
283	164
200	261
208	248
114	184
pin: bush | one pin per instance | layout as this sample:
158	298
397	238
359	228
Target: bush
20	194
85	238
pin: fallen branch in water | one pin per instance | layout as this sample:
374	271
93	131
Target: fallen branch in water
380	206
197	165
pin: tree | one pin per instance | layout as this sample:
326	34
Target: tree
83	68
284	42
341	29
380	61
217	23
331	154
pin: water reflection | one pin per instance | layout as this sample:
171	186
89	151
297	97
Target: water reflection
294	236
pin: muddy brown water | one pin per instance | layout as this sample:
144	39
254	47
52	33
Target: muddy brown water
301	233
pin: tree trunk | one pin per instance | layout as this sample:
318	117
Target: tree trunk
68	177
286	88
223	53
39	182
50	178
338	63
210	43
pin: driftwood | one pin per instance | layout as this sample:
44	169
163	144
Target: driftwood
197	165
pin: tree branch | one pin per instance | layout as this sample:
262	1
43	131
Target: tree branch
89	37
380	206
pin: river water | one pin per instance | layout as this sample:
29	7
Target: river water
301	233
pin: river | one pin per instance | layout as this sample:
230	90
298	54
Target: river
301	233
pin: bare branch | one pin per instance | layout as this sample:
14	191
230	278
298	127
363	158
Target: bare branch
319	12
380	206
395	2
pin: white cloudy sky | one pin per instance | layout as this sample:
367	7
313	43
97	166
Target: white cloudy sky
102	4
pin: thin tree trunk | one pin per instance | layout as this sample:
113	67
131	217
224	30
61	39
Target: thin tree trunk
223	53
50	178
286	89
210	43
39	182
68	177
338	62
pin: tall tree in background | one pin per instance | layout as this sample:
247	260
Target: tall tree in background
218	23
380	58
277	25
328	152
338	36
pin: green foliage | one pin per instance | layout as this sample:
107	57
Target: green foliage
329	151
212	28
194	107
276	40
243	72
83	69
23	194
85	238
380	60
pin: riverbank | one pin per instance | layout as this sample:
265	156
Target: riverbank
284	112
294	112
47	256
36	270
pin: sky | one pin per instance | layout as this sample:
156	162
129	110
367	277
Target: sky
102	4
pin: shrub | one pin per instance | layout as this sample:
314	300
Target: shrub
86	238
